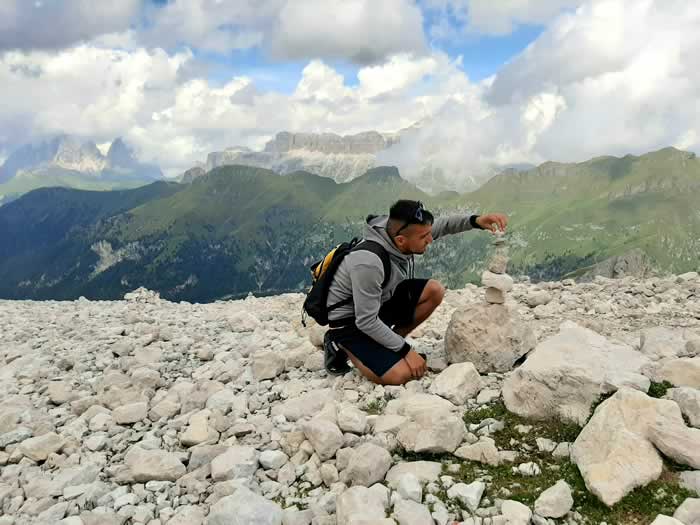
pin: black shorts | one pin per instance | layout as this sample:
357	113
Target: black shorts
398	311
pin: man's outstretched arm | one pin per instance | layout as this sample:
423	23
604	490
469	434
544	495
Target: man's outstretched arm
452	224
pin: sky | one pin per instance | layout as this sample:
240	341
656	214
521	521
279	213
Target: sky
484	82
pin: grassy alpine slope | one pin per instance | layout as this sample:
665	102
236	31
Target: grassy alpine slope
241	229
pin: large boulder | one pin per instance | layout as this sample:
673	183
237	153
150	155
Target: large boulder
568	372
491	336
613	451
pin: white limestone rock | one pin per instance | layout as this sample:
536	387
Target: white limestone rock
613	452
244	507
267	365
556	501
516	513
407	512
688	400
324	435
40	447
457	383
689	512
568	372
359	504
469	495
368	465
238	462
147	465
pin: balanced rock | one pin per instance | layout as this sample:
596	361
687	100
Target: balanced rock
502	282
492	337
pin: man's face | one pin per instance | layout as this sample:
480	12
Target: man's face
415	238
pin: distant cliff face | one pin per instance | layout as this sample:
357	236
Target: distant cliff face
341	158
369	142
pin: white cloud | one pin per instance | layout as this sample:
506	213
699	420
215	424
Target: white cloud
613	77
361	31
46	24
211	25
364	31
626	72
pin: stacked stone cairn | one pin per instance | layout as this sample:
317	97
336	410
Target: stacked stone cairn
492	336
495	279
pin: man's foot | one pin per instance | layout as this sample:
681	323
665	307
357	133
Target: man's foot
334	358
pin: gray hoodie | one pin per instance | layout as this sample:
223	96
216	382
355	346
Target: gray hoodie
361	274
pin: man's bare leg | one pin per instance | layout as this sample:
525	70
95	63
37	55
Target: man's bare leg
398	374
430	299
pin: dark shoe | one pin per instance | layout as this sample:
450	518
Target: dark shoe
334	358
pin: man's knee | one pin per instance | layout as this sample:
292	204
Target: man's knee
399	374
435	291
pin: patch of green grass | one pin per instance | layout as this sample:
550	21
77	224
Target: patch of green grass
554	430
408	456
638	508
375	407
658	390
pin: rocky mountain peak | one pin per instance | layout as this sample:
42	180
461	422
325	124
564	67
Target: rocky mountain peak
75	154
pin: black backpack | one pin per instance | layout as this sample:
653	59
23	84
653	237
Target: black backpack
323	271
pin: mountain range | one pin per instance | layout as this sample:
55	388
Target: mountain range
241	229
71	162
344	158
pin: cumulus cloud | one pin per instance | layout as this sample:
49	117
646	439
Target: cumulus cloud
626	72
364	31
361	31
612	77
48	24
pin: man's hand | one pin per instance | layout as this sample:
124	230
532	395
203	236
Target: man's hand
493	222
416	363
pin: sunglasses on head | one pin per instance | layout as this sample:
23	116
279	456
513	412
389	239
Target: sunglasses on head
416	217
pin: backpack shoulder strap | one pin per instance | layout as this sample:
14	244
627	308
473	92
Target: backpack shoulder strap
380	251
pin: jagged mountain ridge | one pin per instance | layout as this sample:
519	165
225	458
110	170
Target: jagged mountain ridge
71	162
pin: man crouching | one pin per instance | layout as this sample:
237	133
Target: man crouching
370	329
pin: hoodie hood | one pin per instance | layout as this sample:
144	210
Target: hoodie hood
375	230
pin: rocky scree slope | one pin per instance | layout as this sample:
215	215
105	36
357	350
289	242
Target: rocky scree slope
150	411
